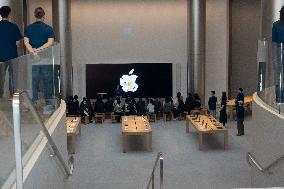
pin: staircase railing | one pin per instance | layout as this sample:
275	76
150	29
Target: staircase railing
151	182
17	136
251	160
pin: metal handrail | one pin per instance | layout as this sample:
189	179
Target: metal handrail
16	110
259	166
152	178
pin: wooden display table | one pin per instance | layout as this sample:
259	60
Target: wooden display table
73	126
135	125
232	103
206	124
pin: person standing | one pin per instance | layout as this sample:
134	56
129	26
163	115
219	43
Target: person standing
223	110
212	104
141	110
278	40
39	36
240	118
240	97
10	37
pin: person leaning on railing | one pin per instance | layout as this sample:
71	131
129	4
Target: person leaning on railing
10	37
278	39
40	36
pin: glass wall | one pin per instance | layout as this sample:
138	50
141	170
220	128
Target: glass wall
38	75
271	73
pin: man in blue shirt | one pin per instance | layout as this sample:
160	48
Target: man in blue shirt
39	36
278	39
10	37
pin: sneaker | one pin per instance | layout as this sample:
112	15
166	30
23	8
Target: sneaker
48	109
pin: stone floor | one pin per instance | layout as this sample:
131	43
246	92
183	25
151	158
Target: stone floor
100	163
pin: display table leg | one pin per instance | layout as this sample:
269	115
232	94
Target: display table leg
225	140
187	126
200	140
73	144
231	113
150	141
123	143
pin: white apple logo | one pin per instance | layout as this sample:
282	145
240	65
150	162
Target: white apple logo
127	82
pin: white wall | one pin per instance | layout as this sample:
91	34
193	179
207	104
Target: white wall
141	31
138	31
45	4
217	43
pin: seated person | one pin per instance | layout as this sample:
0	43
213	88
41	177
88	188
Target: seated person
117	107
178	105
150	107
70	105
189	103
99	106
91	109
85	111
168	106
157	106
132	107
140	105
109	105
196	101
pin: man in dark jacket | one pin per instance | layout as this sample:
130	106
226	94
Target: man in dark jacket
141	107
212	104
240	118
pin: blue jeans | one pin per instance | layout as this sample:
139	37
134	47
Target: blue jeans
46	73
3	68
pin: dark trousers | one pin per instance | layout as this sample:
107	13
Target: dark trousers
3	68
240	126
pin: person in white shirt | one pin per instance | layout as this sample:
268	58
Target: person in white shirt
150	106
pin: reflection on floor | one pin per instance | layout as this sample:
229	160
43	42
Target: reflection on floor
100	163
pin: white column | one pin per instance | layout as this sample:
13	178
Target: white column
61	13
196	59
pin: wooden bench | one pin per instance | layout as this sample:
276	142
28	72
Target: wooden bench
99	117
151	117
168	116
114	118
85	120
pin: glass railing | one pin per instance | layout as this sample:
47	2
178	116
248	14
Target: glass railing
271	73
7	155
39	76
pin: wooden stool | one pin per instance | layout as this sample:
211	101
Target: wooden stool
108	115
168	116
99	117
183	115
113	118
85	120
159	115
151	117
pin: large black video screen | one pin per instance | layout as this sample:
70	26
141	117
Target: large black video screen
152	79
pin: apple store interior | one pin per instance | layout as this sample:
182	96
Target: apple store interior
133	94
